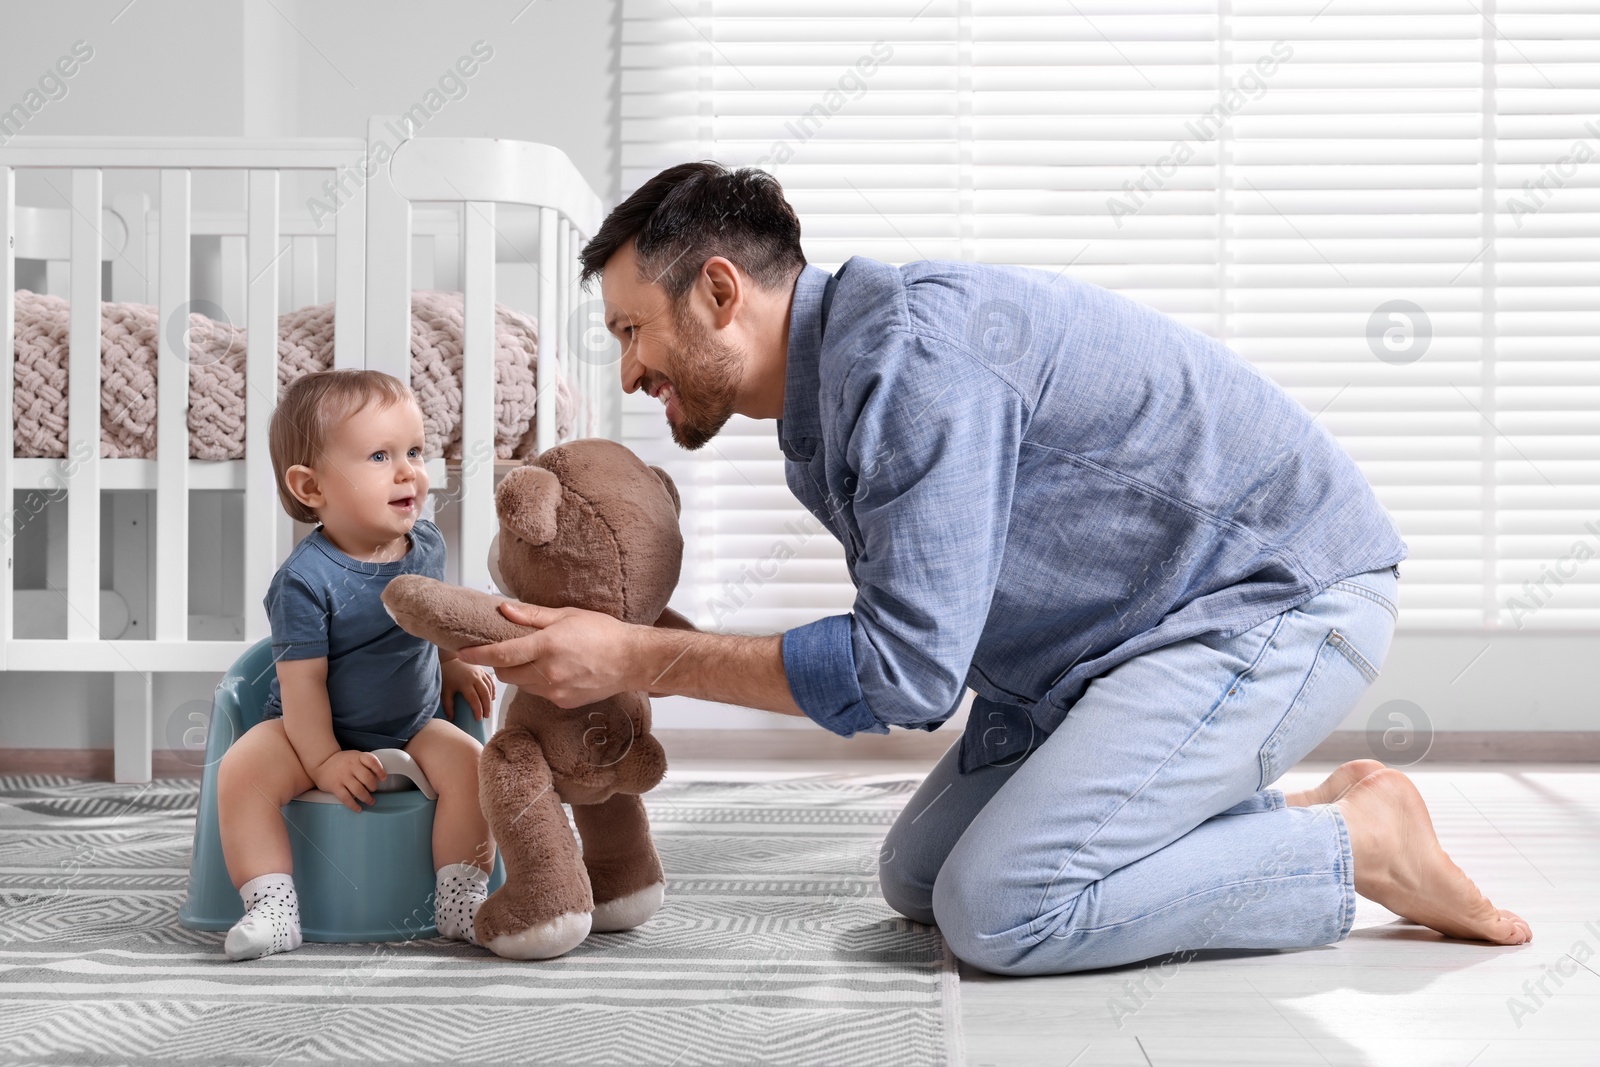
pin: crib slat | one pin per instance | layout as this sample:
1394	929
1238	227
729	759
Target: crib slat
545	406
152	252
261	508
594	374
172	414
8	344
350	280
579	367
82	462
563	309
477	398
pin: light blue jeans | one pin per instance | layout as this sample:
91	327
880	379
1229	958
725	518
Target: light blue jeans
1144	825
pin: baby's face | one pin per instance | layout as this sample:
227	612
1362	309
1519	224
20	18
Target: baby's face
376	482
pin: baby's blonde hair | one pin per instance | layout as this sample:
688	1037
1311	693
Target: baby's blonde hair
309	410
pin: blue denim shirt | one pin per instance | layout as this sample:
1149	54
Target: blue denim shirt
1035	479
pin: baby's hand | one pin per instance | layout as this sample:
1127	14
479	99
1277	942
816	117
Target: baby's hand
350	776
474	683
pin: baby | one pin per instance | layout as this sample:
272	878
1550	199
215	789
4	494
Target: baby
347	453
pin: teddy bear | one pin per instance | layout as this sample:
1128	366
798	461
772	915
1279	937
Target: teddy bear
585	524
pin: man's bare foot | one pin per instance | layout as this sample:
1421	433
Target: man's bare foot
1398	863
1333	787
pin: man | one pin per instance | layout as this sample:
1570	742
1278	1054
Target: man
1069	503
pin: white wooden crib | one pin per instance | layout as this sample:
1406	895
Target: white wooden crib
436	198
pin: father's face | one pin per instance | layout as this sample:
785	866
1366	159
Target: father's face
671	353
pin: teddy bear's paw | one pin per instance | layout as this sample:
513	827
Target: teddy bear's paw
544	941
624	913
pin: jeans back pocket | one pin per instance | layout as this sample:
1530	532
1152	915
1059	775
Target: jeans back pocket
1338	676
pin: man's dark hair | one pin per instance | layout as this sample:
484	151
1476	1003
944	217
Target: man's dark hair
689	213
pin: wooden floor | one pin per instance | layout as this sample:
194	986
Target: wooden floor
1392	993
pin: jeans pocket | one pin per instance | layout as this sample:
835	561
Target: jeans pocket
1338	676
1353	654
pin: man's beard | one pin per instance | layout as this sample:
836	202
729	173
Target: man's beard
705	374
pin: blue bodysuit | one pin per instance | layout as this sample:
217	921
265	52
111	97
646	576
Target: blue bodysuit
383	684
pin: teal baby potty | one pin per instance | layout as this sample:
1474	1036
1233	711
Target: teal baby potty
360	876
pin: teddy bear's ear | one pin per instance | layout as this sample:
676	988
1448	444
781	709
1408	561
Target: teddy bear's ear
672	490
527	499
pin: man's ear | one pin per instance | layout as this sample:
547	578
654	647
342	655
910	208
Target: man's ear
303	485
527	500
725	288
672	490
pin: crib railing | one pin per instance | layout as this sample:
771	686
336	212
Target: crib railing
372	285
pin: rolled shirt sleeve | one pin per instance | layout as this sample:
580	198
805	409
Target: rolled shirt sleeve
822	676
929	436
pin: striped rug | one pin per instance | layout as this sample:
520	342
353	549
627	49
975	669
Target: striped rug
774	946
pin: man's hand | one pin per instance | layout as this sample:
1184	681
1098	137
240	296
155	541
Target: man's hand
350	776
579	657
474	683
576	658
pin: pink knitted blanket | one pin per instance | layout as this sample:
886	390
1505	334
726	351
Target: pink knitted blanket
128	339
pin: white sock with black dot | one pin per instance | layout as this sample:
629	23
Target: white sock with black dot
271	920
459	888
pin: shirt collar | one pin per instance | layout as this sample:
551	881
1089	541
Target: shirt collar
800	428
320	541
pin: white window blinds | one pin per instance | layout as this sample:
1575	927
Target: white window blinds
1392	209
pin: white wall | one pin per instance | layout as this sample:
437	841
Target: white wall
286	68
